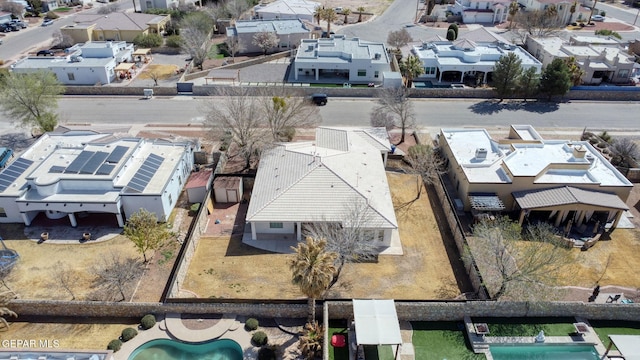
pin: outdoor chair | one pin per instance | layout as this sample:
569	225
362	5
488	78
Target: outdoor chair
613	299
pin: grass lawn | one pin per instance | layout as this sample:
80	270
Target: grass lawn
528	326
605	328
338	353
441	340
63	9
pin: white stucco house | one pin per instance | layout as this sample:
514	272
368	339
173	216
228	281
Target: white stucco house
84	172
286	9
600	59
289	32
302	183
562	6
473	12
473	55
340	60
88	64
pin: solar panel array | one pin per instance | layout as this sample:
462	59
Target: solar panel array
12	172
149	167
92	162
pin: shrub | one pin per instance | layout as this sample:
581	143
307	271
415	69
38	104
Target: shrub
150	40
251	324
128	334
259	338
148	321
52	15
114	345
173	41
267	353
455	29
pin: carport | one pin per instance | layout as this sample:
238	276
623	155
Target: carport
143	55
376	323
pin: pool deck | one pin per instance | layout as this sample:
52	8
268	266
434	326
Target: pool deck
480	343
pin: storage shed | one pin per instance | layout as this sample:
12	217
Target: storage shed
198	185
227	189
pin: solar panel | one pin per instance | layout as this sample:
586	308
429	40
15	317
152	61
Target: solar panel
148	168
117	154
13	171
105	169
56	169
79	162
94	162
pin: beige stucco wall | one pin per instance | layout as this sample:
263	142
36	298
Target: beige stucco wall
79	35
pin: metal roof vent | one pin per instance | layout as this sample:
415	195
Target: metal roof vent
481	153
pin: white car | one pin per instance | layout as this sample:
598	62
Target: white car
597	18
47	22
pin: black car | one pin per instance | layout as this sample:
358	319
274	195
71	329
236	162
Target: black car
20	24
5	28
45	53
13	27
319	99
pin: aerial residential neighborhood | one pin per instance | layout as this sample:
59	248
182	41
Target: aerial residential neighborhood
291	179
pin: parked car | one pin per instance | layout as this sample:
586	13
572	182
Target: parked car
19	23
13	27
47	22
0	41
45	53
319	99
5	28
597	18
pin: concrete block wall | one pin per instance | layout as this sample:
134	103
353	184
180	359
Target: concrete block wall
120	90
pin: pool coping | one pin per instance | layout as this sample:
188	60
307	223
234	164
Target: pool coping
480	343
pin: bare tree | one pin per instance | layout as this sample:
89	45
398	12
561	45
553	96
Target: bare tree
382	119
399	38
348	237
286	112
240	115
115	274
234	45
537	23
517	266
427	162
265	40
64	277
625	152
396	102
195	29
153	74
108	9
14	8
60	40
235	8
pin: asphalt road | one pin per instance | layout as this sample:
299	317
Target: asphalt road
430	113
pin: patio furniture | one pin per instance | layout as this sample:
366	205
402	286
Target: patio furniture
581	328
338	340
613	299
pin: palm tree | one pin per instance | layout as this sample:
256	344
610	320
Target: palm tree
346	12
411	68
572	10
317	14
5	299
360	11
329	15
312	270
593	8
513	10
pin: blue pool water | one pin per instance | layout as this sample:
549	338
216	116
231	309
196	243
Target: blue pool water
164	349
544	352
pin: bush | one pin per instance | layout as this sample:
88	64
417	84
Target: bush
114	345
148	321
174	41
251	324
128	334
146	41
52	15
259	338
455	29
267	353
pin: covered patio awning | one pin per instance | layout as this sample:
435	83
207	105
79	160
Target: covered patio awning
628	346
485	202
376	322
567	195
142	52
124	66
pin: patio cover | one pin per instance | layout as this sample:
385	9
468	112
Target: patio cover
628	345
566	195
124	66
486	202
142	52
376	322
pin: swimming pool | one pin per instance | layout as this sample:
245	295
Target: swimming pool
543	352
165	349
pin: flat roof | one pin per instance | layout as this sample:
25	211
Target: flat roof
340	49
280	27
60	62
376	322
628	345
468	52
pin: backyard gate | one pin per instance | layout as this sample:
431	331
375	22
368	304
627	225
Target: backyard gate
184	87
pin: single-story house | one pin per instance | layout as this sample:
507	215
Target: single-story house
5	17
600	58
289	32
84	172
341	60
560	179
302	183
473	57
88	64
116	26
286	9
473	12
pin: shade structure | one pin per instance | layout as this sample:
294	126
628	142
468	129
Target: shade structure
124	66
628	346
376	322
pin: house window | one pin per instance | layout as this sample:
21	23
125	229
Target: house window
622	74
429	71
376	74
477	5
71	76
3	212
488	4
170	200
276	225
362	72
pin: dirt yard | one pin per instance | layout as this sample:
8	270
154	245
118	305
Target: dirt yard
225	268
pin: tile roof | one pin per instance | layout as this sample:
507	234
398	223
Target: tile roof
118	20
532	199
